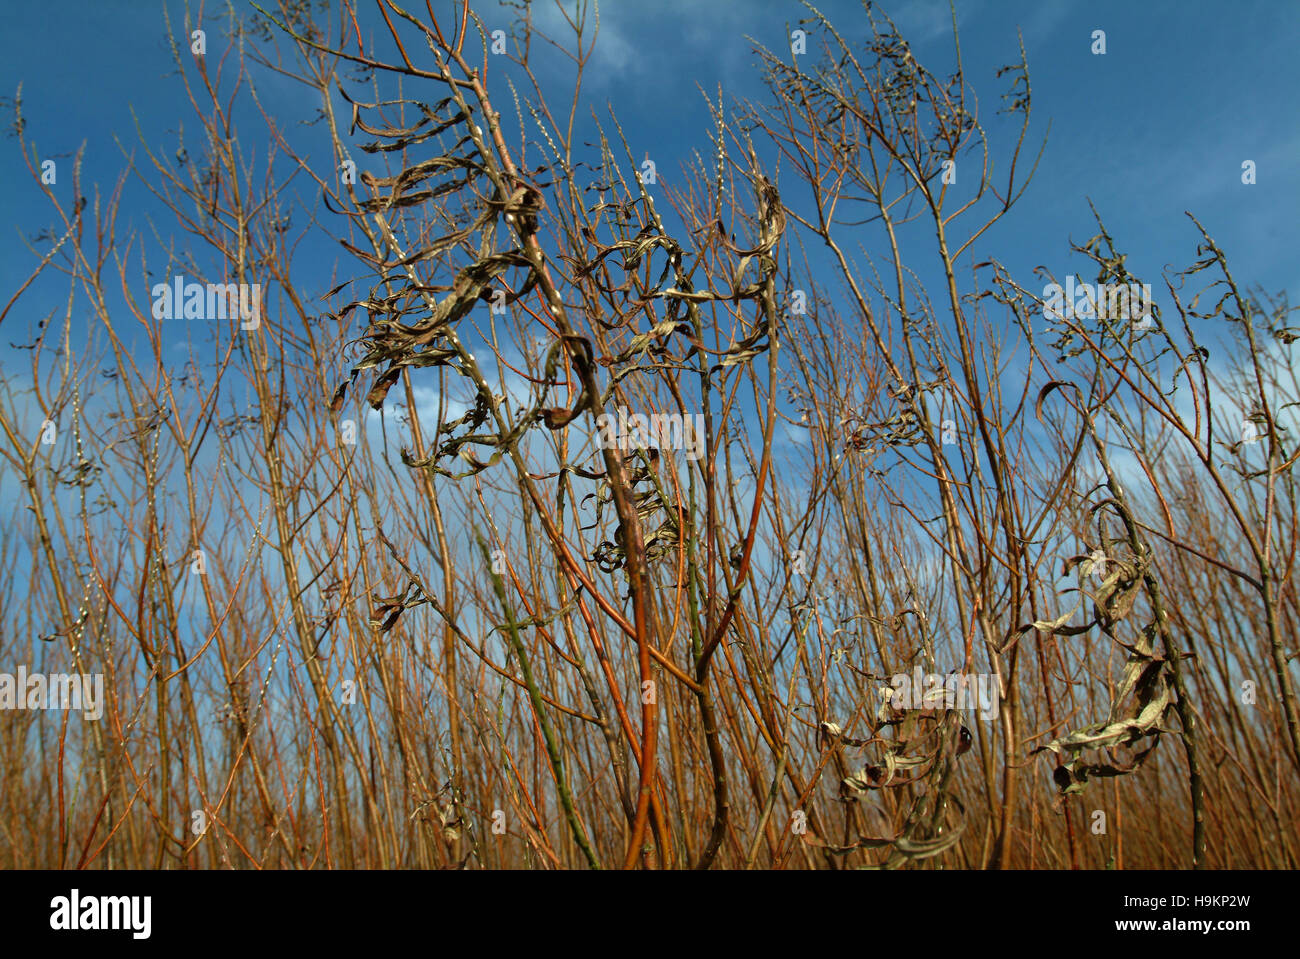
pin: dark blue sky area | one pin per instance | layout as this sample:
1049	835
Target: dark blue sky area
1160	124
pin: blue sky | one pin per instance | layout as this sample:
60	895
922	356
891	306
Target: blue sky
1159	125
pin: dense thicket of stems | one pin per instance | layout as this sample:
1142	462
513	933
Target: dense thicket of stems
368	590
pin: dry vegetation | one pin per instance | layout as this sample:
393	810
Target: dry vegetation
332	638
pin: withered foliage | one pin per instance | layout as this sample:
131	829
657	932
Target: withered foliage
381	582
